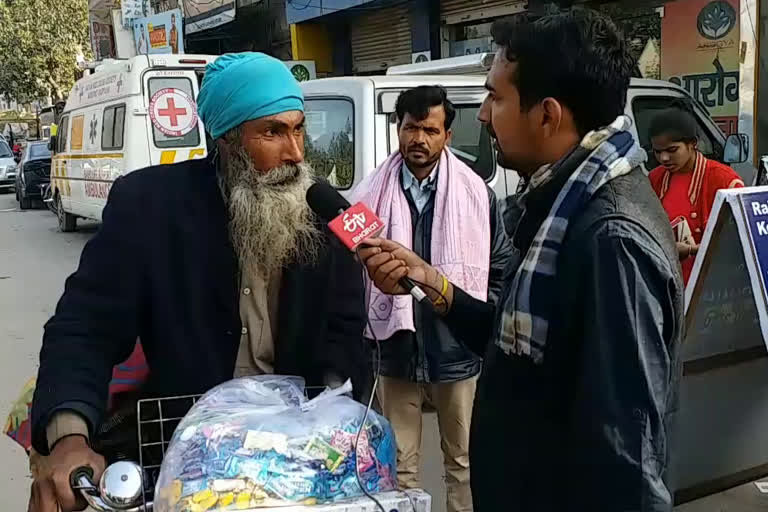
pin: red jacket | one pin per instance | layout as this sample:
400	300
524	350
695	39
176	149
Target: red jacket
691	195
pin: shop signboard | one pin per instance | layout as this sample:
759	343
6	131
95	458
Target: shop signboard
700	53
160	33
471	46
158	6
203	15
302	70
132	10
102	41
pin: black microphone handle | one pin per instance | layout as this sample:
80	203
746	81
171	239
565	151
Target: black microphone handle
417	293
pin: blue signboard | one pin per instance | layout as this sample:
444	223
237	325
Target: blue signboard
755	207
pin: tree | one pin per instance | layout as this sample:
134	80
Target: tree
39	44
335	156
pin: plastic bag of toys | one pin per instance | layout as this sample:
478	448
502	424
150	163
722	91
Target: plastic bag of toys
259	442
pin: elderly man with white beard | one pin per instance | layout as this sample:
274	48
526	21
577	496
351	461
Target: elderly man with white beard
217	265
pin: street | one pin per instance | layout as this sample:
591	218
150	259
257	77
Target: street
35	258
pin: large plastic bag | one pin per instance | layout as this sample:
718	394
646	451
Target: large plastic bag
258	442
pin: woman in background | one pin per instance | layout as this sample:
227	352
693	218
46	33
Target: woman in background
686	181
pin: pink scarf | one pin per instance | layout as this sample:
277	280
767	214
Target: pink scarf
461	234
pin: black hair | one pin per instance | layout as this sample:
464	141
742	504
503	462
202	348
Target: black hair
579	57
676	122
419	100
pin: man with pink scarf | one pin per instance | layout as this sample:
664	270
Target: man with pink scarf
432	203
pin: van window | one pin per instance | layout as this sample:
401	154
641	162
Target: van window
76	141
38	151
5	150
471	142
162	140
61	144
329	144
644	110
112	127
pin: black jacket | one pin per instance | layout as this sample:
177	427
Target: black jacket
589	427
162	269
433	353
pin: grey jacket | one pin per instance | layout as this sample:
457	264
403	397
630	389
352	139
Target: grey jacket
589	427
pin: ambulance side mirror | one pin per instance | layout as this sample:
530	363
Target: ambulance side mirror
736	149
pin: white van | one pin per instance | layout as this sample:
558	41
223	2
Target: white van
127	115
351	126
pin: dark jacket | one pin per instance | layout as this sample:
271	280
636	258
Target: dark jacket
589	427
433	353
162	269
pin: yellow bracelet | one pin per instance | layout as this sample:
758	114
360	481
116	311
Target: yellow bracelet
441	299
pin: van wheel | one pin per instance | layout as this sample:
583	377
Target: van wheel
67	221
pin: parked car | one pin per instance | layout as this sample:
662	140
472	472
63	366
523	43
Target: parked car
7	167
33	174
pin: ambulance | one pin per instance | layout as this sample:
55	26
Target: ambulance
126	115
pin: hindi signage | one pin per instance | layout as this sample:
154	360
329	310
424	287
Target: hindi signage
700	53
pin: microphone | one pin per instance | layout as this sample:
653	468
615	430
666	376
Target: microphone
352	225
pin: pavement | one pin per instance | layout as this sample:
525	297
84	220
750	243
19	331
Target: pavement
35	259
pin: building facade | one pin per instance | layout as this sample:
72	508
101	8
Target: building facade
708	47
258	25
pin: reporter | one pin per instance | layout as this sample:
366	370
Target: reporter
581	365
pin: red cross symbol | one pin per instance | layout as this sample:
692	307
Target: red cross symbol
172	112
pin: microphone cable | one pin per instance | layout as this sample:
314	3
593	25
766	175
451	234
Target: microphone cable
376	374
369	406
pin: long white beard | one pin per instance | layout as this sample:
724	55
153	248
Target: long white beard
271	225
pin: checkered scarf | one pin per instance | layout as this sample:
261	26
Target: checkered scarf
528	306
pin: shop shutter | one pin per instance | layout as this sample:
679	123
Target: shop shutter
462	11
381	38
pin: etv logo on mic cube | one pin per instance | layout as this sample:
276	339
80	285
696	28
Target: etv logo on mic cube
355	225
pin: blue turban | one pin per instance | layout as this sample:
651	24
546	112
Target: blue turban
239	87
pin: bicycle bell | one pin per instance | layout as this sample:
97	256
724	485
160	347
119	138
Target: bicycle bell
121	485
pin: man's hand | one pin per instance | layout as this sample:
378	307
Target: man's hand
387	262
52	490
